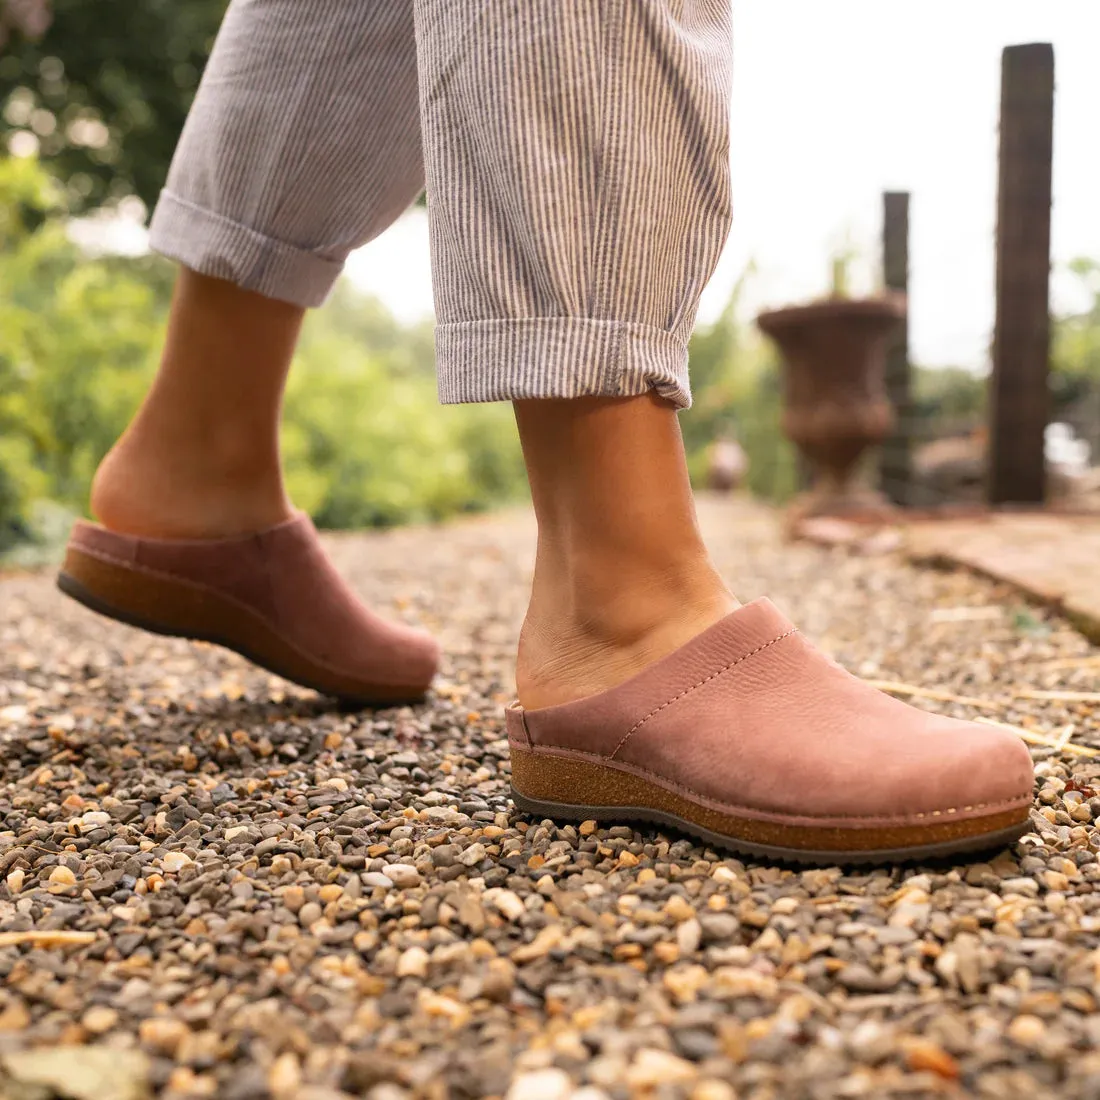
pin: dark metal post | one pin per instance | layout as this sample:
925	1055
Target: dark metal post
895	471
1019	401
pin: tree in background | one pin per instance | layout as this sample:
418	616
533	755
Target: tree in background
103	87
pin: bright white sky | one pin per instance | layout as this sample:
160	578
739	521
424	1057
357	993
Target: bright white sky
835	101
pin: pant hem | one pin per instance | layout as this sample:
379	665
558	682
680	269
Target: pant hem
214	245
513	359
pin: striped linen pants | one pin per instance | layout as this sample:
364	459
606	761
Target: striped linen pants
575	155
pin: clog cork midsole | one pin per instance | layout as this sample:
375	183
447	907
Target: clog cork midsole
168	605
579	789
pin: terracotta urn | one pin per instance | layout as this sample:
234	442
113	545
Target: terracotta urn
835	403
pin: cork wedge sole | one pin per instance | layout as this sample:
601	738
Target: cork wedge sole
572	789
165	605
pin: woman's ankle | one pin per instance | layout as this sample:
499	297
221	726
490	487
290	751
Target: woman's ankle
164	492
576	643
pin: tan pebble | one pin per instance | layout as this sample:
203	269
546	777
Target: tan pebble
540	1084
280	865
685	982
413	963
337	784
285	1076
589	1016
1055	880
365	941
15	1017
909	894
506	902
786	906
646	874
713	1089
626	951
403	875
652	1068
491	832
99	1018
376	850
163	1034
689	935
722	873
294	897
666	953
547	939
1040	1002
742	982
679	909
73	804
798	1008
333	740
760	1028
1026	1030
922	1055
309	914
280	966
175	861
15	880
235	831
62	876
1079	1000
768	941
184	1080
628	859
587	828
436	1004
330	892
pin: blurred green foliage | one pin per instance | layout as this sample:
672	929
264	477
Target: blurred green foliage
1076	344
105	90
945	397
737	391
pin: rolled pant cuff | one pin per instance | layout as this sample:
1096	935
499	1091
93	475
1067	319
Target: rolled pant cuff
537	357
214	245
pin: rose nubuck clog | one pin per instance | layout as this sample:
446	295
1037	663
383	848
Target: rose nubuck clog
273	596
750	738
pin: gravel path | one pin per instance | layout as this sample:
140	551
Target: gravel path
218	887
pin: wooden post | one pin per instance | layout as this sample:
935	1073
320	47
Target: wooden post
1019	400
895	469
